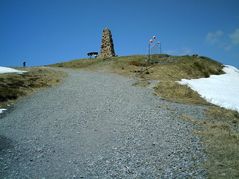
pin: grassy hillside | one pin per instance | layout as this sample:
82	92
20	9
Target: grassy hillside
13	86
219	129
161	66
165	68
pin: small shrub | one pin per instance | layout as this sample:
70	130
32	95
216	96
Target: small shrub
136	63
206	74
9	94
60	65
200	66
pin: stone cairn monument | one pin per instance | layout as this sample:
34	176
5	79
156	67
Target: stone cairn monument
107	45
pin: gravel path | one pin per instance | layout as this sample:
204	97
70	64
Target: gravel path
97	125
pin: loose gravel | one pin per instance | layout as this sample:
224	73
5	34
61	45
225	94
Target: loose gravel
97	125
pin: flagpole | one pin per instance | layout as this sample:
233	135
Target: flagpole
149	53
160	47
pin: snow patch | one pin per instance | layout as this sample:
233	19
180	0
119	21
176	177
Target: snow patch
1	110
221	90
10	70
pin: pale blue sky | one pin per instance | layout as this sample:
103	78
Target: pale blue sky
48	31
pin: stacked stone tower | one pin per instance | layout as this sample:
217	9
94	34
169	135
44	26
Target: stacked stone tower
107	45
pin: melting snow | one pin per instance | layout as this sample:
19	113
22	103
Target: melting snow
10	70
221	90
1	110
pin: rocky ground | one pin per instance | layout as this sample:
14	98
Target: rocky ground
98	125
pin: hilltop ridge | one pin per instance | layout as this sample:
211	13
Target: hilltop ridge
161	66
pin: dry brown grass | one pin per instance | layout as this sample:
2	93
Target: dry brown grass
222	146
220	135
173	91
13	86
222	142
162	67
78	63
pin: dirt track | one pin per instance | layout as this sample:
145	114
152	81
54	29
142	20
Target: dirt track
97	125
